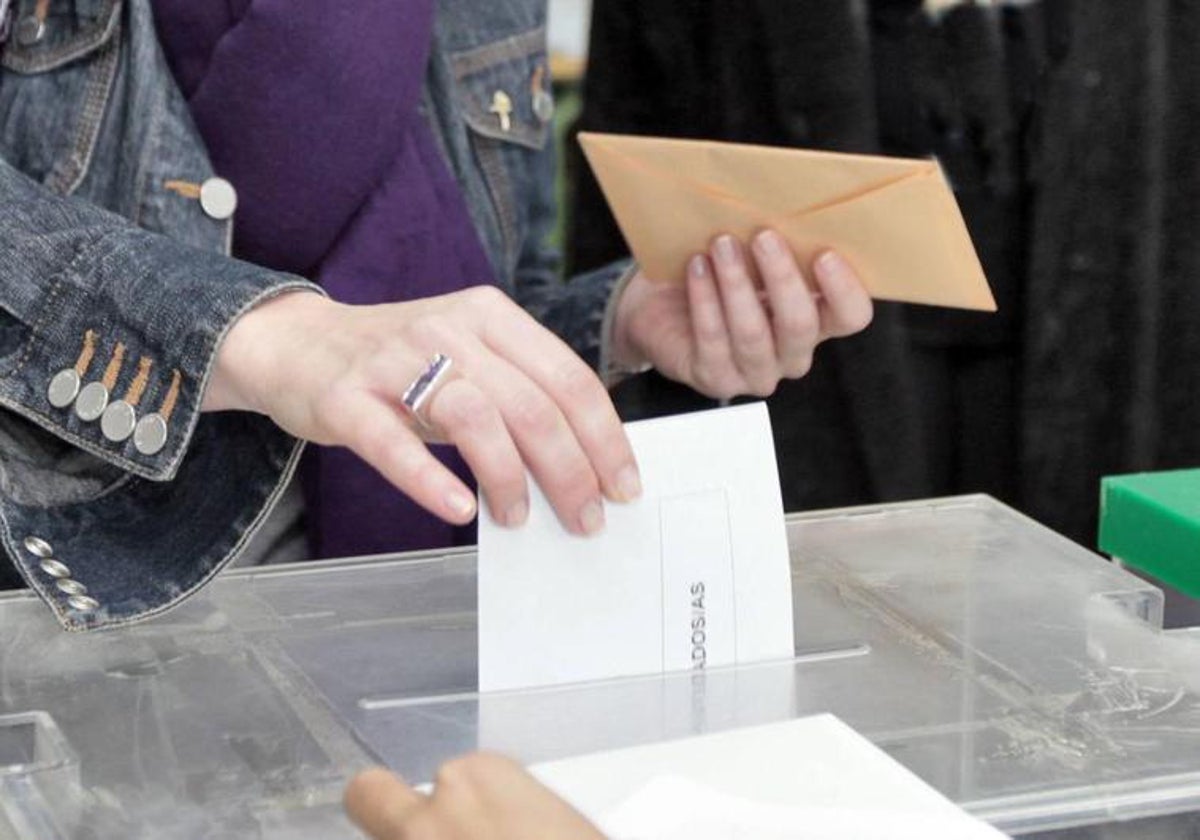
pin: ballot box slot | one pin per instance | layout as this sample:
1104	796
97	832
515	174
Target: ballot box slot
808	657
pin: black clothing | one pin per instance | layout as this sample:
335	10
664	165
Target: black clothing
1065	128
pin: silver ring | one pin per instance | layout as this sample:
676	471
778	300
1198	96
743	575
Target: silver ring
419	392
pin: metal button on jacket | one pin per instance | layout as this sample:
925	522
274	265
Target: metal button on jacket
150	435
83	603
218	198
92	401
38	547
30	30
64	388
118	421
54	568
68	586
543	105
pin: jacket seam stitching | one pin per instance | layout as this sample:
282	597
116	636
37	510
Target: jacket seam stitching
146	169
487	153
98	90
468	62
47	307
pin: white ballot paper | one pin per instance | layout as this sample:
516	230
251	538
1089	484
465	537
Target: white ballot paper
808	779
693	575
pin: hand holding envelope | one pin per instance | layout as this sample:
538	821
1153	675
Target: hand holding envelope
745	319
894	220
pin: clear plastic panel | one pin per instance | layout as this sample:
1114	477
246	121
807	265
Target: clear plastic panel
1018	673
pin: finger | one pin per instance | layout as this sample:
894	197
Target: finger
470	420
845	307
714	371
578	394
543	436
750	331
795	317
378	433
381	804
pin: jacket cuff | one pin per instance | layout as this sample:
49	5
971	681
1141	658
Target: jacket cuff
611	374
119	352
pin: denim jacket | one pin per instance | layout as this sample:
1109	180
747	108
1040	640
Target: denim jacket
116	287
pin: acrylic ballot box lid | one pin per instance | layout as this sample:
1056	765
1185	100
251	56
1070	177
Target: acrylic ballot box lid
1024	677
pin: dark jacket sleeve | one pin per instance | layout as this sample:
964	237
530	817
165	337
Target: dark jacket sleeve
83	289
575	309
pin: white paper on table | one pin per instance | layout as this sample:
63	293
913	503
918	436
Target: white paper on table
694	574
808	779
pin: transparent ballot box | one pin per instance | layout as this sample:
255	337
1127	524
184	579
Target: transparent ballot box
1021	675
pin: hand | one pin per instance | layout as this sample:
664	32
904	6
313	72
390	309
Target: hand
480	797
739	325
334	374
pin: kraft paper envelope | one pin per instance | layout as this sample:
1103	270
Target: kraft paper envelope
894	219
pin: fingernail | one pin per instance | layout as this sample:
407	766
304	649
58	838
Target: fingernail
769	244
698	267
460	504
591	518
831	265
727	250
517	514
629	483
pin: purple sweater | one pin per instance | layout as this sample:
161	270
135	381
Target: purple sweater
310	108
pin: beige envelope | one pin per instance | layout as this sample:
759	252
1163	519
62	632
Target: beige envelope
894	219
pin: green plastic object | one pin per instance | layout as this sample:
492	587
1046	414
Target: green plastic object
1151	522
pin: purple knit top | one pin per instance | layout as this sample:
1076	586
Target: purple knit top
310	109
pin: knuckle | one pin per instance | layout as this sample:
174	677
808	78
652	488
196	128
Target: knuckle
710	331
454	775
487	297
535	416
800	366
501	476
463	410
719	387
425	330
761	382
577	384
493	295
862	317
854	318
412	469
803	323
753	338
569	479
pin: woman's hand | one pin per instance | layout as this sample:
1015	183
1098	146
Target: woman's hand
480	797
516	395
743	321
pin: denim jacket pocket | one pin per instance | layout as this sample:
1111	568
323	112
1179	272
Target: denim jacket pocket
72	30
54	89
496	89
